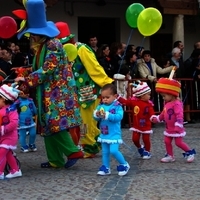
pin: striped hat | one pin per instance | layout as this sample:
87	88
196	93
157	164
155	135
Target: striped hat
140	89
168	86
8	93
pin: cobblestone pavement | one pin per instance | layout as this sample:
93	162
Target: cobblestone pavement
146	180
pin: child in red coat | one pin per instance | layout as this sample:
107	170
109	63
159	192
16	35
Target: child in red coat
142	110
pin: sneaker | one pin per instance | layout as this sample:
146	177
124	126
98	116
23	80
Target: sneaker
141	150
103	171
167	159
14	175
24	149
123	169
189	155
32	147
146	155
2	176
190	158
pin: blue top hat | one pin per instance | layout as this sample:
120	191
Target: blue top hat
36	20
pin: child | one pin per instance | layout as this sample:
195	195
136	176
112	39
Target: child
172	114
142	109
109	114
26	110
8	131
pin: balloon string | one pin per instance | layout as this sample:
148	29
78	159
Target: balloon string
141	45
128	42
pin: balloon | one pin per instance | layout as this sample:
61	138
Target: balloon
8	27
132	14
149	21
71	51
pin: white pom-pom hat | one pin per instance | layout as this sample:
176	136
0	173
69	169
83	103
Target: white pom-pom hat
8	93
140	89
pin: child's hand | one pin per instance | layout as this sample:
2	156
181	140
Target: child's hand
98	113
101	114
178	129
154	119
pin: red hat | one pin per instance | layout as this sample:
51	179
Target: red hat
65	34
169	86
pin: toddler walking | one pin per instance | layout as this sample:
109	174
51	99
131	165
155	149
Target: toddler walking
8	131
172	115
109	113
142	110
26	110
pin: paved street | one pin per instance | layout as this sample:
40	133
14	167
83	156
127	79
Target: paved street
146	180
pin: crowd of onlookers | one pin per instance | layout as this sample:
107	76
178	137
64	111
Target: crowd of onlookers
137	63
124	62
11	56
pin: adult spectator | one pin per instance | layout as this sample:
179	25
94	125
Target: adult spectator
104	59
131	61
149	69
177	61
93	43
6	62
131	48
116	50
139	51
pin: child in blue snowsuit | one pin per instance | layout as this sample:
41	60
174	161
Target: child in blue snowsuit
26	110
109	113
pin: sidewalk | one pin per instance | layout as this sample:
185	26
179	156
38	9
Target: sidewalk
146	180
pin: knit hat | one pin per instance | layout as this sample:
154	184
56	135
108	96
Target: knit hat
169	85
140	89
8	93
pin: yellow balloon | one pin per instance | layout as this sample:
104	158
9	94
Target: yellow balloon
149	21
71	51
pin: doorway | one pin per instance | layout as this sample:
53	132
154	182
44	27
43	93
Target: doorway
107	30
161	46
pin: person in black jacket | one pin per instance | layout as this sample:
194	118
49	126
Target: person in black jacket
131	61
103	58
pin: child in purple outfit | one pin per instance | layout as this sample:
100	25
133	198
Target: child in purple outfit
172	114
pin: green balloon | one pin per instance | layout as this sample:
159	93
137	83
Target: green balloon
132	14
149	21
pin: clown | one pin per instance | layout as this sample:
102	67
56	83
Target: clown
90	77
55	88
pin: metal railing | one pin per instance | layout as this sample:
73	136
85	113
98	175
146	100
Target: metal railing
190	95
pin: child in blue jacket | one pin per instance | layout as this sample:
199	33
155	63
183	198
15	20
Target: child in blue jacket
109	113
26	110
